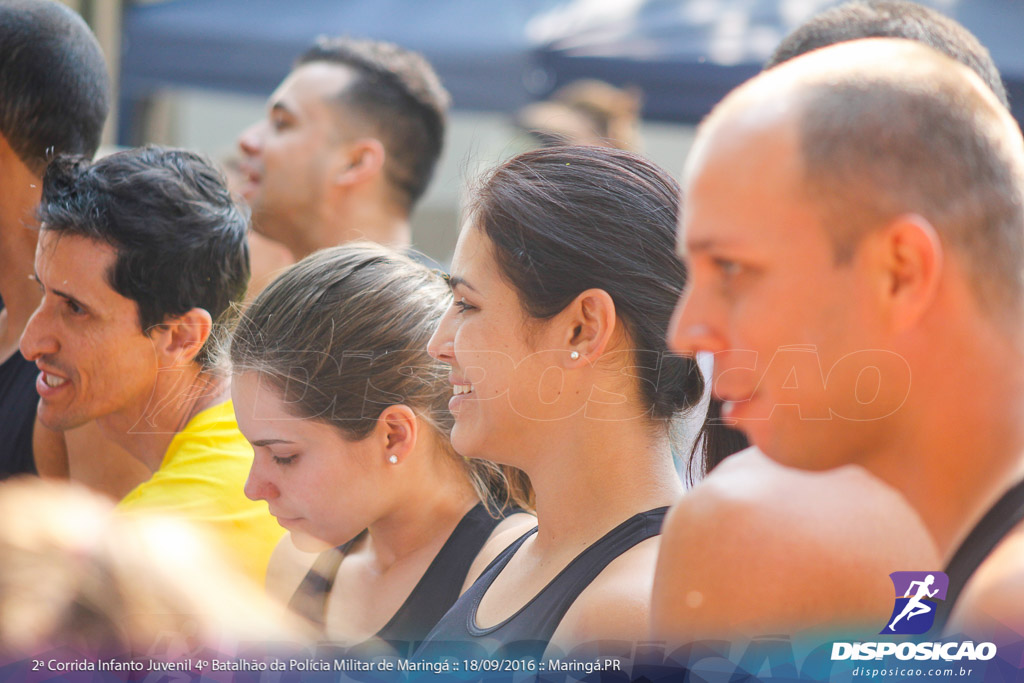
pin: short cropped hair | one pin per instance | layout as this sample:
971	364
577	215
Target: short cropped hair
877	146
54	87
398	93
180	238
892	19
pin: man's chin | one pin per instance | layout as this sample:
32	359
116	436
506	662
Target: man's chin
57	421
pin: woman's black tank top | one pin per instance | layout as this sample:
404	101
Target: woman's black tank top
979	544
434	594
526	633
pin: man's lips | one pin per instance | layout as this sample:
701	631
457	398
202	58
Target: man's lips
251	179
49	383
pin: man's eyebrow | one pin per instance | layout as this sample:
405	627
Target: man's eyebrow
456	281
64	295
698	246
278	105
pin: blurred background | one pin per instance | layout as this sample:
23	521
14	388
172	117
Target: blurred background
195	73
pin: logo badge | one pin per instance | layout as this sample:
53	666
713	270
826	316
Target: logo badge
917	596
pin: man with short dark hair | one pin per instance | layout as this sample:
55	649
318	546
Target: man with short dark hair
54	98
141	255
892	19
348	147
854	226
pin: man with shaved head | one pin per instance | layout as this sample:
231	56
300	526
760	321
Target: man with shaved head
854	226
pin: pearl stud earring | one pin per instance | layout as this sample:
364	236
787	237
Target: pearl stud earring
575	355
393	459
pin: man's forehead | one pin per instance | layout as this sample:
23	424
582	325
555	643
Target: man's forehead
321	80
79	251
742	170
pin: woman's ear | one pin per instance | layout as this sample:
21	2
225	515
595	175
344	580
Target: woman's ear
397	430
589	324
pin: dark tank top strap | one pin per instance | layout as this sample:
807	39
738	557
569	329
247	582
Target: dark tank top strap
310	599
440	586
435	592
528	632
979	544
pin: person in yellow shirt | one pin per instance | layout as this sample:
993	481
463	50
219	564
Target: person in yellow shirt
140	255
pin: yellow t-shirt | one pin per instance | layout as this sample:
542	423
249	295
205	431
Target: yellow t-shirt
201	479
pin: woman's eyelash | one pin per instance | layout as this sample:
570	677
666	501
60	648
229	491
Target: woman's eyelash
278	460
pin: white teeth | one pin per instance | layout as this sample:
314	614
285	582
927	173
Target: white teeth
52	381
459	389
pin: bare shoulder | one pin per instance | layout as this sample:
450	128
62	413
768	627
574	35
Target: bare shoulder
989	607
759	548
504	535
617	604
287	567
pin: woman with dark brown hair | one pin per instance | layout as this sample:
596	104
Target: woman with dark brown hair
347	416
564	281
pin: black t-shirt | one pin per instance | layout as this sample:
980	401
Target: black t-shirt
18	400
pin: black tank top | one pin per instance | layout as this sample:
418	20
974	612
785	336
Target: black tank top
436	591
18	401
979	544
526	633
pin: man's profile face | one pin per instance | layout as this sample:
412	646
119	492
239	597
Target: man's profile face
287	157
94	359
790	329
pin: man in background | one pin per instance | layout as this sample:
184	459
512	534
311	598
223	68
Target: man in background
348	147
54	98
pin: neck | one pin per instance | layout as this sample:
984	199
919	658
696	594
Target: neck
431	498
177	397
953	474
355	217
594	475
19	196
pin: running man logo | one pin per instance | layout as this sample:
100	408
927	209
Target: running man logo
916	596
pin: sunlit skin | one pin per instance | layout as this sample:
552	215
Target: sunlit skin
531	404
793	338
96	362
313	171
326	489
509	371
495	361
73	335
302	467
19	195
288	157
764	277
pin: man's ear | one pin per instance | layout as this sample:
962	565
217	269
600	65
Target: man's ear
588	324
179	339
361	160
909	256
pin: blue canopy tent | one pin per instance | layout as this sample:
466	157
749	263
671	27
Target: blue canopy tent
685	55
499	54
479	48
